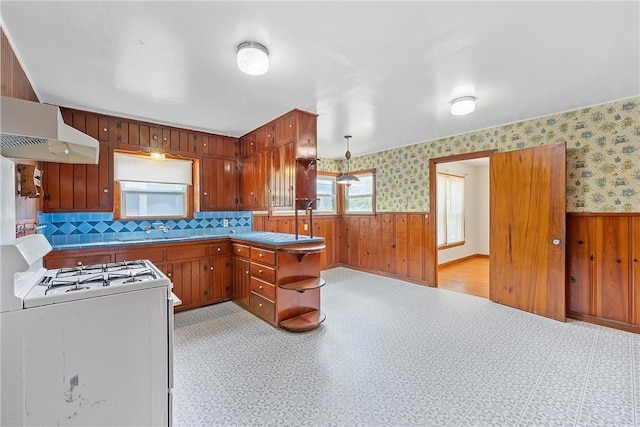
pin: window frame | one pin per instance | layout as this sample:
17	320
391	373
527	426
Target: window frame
446	243
333	176
344	194
192	191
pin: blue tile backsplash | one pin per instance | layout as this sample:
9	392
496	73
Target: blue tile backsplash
92	227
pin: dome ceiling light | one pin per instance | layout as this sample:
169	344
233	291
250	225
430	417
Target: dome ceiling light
463	105
347	179
253	58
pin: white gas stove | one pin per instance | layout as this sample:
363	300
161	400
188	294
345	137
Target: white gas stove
73	283
90	345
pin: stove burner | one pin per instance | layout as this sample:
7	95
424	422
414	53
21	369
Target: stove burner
131	276
112	266
57	283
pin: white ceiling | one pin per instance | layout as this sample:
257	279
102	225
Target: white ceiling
384	72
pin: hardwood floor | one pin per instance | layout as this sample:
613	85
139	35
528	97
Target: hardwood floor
469	276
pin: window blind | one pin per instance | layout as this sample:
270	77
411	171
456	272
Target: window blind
129	167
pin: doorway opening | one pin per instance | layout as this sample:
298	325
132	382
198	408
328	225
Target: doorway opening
459	200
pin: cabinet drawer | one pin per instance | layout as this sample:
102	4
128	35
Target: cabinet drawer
263	255
189	252
219	249
241	250
265	289
76	261
155	257
263	272
262	307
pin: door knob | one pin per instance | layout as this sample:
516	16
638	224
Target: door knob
556	241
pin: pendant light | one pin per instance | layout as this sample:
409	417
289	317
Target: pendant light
347	179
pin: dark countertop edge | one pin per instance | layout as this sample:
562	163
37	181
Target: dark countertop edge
249	237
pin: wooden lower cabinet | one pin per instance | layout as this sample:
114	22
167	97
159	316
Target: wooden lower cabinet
281	285
602	269
200	271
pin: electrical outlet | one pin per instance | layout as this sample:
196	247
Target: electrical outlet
306	227
225	222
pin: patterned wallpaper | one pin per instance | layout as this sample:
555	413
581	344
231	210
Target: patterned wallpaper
603	158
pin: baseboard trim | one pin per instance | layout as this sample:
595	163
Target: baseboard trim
385	274
604	322
466	258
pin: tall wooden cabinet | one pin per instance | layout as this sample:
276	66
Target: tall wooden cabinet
279	163
602	268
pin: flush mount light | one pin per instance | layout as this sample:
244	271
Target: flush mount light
157	156
253	58
463	105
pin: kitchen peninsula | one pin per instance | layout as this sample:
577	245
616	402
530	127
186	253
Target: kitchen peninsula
272	275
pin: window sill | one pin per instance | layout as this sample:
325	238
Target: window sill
451	245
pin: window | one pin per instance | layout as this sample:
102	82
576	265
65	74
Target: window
360	196
152	188
326	192
152	199
450	193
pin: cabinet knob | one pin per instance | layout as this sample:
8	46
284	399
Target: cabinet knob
155	137
580	242
619	261
260	271
635	260
260	286
104	129
261	255
239	250
105	190
210	268
169	274
246	272
79	262
219	249
205	193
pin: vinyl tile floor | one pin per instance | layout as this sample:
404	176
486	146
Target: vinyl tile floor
392	353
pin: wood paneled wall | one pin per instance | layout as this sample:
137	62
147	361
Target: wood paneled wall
391	244
15	84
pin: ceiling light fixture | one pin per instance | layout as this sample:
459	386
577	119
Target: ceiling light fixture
347	179
463	105
253	58
157	156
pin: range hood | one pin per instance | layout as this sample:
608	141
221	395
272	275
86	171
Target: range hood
31	130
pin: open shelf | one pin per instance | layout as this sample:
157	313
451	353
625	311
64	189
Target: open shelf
304	322
303	251
305	284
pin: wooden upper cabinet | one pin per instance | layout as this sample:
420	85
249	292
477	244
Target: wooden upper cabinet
73	187
219	184
220	146
284	128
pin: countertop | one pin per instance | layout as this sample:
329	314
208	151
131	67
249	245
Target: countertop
263	237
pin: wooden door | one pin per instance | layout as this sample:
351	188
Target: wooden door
527	230
611	268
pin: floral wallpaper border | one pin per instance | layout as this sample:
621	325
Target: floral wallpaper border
603	158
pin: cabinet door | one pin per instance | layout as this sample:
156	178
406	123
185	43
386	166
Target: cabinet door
579	265
635	270
247	187
284	129
241	281
190	281
261	180
611	269
219	184
220	280
283	167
